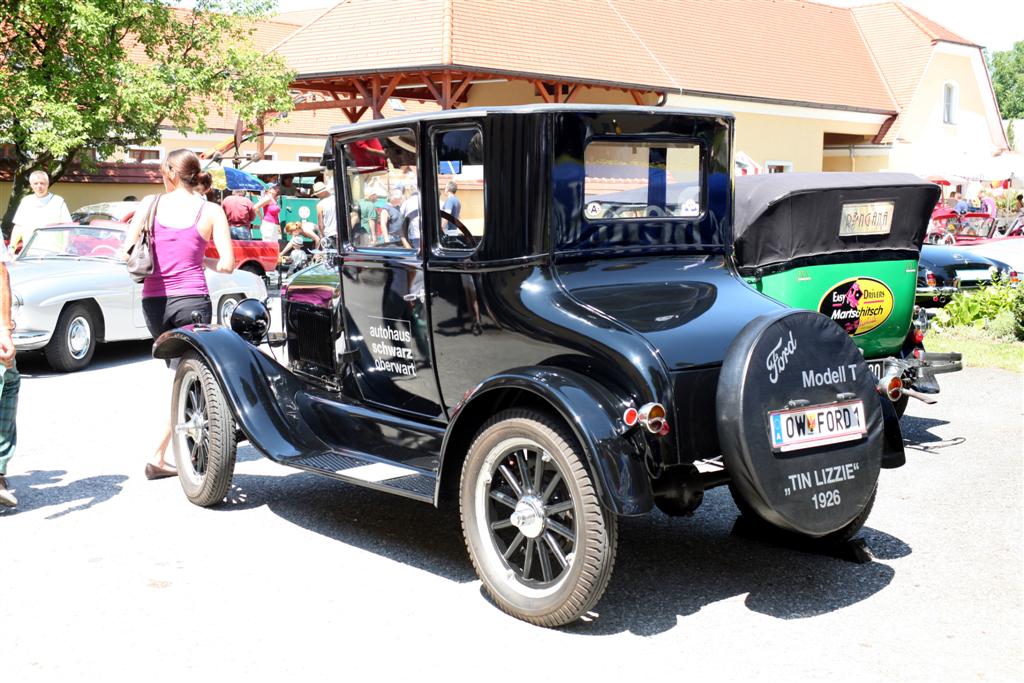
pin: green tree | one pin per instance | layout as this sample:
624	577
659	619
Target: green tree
1008	81
104	74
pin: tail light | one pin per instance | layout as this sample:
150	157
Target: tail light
1014	277
929	277
894	388
651	417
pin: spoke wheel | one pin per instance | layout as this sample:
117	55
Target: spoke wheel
203	434
536	533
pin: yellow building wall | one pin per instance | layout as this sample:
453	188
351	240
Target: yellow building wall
924	143
780	137
860	164
281	150
79	194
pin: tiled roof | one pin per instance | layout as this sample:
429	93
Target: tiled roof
901	42
936	31
766	49
785	50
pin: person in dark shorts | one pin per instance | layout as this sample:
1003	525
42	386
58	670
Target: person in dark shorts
176	293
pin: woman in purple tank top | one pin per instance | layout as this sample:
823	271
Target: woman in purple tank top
176	293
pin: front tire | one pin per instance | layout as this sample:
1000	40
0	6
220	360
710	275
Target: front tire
74	339
203	435
536	533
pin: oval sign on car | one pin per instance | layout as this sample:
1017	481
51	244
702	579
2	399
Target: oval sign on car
858	305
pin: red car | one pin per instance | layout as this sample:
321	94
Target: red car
254	256
949	227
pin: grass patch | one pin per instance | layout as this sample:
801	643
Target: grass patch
980	348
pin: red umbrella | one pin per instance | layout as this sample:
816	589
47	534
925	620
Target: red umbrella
938	180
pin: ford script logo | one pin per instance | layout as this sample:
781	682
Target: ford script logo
778	358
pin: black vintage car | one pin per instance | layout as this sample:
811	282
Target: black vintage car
545	368
945	270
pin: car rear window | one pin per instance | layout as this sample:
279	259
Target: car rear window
630	180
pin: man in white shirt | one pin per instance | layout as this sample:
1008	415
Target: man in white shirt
10	381
326	211
38	209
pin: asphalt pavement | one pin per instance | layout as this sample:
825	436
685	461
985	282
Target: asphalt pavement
106	574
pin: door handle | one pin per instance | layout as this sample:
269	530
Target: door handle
418	296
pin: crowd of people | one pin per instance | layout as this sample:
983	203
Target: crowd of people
983	202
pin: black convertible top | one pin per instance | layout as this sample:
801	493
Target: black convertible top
788	220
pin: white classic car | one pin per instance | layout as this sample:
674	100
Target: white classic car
71	290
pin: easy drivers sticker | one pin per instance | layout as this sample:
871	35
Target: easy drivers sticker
858	305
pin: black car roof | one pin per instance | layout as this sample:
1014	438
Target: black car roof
525	109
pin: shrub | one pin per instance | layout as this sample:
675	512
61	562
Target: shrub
999	308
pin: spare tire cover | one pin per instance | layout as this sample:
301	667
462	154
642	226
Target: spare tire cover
786	377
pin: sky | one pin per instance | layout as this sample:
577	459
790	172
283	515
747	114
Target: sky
995	24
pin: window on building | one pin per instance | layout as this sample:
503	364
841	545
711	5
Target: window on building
381	191
950	97
144	155
460	173
308	158
779	166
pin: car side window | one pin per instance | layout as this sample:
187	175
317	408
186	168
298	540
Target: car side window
381	191
459	165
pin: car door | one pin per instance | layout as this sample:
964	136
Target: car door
386	319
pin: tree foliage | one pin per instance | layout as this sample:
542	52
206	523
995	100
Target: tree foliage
1008	81
104	74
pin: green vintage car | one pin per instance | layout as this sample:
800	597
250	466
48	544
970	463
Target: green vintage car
847	245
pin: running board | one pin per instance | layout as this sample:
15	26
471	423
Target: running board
381	476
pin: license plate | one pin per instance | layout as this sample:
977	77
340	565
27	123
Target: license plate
972	275
877	367
812	426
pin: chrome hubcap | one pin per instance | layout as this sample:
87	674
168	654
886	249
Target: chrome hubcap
529	516
79	338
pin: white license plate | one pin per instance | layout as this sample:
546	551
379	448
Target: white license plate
812	426
973	275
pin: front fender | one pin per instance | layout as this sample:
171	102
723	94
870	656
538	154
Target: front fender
594	415
260	392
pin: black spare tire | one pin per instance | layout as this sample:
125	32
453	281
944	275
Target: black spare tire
800	423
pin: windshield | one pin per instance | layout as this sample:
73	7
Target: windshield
80	241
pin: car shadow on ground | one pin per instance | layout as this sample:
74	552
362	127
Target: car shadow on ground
33	363
667	567
45	488
917	434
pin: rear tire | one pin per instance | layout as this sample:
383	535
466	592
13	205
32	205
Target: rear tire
536	533
838	536
74	339
203	433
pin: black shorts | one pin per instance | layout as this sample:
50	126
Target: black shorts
164	313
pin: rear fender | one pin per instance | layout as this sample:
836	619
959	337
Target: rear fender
893	455
592	413
260	392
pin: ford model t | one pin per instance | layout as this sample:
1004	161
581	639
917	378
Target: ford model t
491	336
